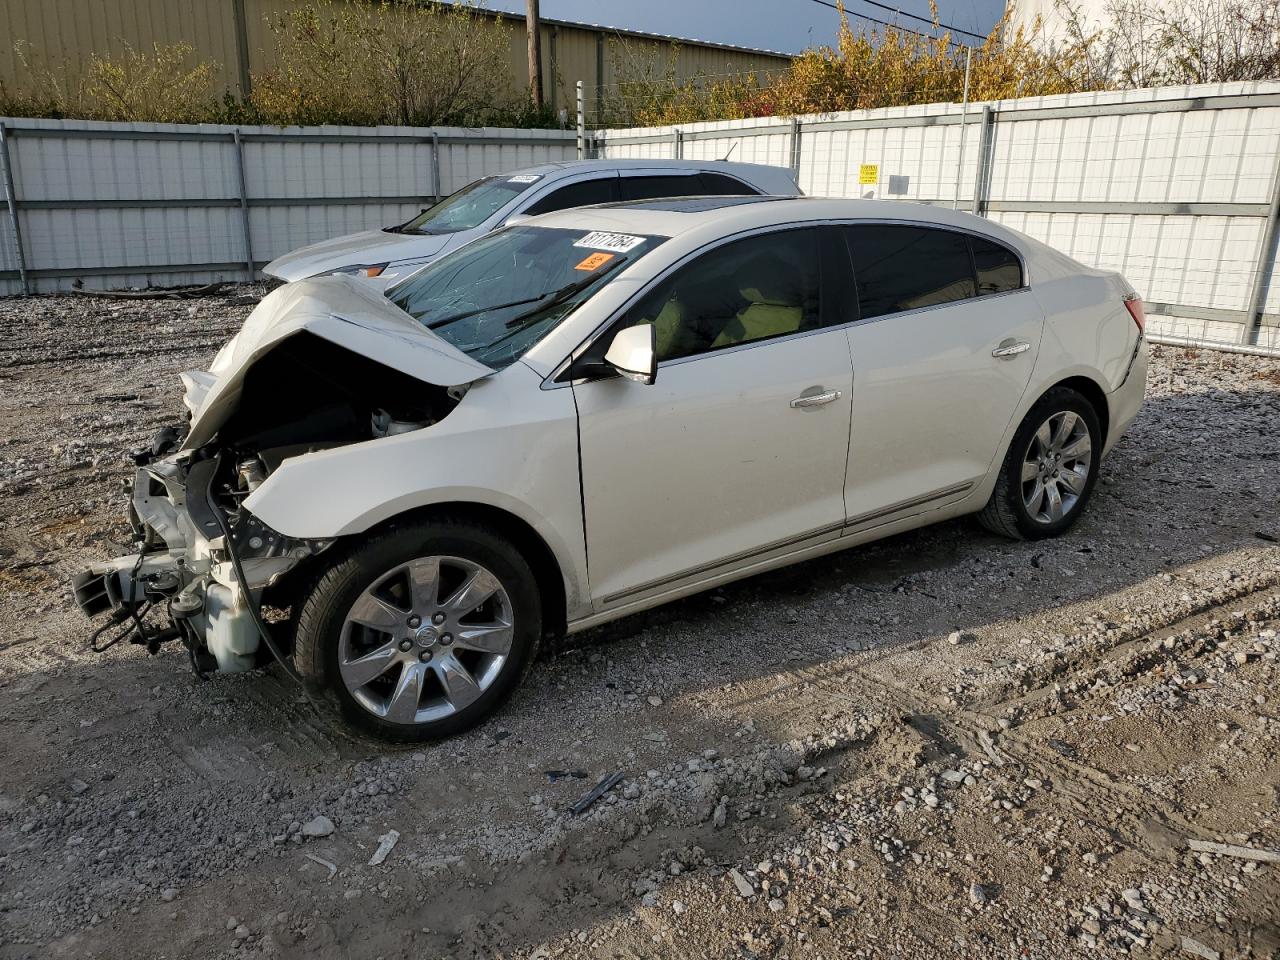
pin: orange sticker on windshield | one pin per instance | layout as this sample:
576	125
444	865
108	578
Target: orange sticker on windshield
595	261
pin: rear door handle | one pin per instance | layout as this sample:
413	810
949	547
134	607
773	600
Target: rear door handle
1010	348
815	399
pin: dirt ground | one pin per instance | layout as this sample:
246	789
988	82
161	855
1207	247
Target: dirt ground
941	745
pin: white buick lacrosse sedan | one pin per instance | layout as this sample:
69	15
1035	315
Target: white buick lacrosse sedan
597	411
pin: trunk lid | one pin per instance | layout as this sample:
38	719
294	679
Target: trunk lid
339	309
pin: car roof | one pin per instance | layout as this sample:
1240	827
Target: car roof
722	216
565	167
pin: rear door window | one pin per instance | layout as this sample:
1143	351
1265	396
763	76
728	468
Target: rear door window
653	187
579	194
901	268
998	267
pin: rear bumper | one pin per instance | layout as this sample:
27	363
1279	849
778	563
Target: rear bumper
1126	400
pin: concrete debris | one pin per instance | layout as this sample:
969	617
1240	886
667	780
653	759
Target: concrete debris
1198	949
743	885
1236	851
989	748
386	843
328	865
316	827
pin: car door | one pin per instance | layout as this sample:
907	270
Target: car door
942	353
738	450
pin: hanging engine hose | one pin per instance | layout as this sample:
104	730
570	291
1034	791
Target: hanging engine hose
119	617
243	582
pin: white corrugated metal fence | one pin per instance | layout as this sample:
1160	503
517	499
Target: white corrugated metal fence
1178	188
122	205
1175	187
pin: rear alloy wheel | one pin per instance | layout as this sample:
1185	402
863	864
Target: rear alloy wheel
422	632
1056	467
1050	469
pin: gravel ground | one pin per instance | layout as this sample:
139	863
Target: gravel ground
944	744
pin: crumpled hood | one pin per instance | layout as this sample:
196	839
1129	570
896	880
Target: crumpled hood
370	246
339	309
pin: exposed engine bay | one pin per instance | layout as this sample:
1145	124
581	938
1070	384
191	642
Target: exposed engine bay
202	558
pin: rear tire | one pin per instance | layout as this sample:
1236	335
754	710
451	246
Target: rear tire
423	631
1050	469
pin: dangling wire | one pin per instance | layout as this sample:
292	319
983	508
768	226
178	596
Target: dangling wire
120	616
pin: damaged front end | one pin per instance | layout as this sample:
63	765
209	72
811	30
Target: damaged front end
202	558
318	364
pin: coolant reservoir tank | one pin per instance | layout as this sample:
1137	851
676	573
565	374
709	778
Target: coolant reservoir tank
232	636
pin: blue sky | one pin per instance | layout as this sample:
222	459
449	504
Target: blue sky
785	25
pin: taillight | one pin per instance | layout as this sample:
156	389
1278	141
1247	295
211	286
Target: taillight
1133	303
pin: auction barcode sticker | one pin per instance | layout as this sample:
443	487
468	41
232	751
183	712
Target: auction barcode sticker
525	178
615	242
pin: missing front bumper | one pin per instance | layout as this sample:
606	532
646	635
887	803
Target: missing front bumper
184	567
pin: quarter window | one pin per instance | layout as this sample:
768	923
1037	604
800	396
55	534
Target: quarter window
580	194
903	268
998	268
753	289
718	184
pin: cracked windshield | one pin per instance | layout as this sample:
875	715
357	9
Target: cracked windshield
498	296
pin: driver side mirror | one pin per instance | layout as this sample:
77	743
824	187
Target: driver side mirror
634	353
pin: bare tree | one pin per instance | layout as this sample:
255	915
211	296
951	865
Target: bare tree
409	62
1145	43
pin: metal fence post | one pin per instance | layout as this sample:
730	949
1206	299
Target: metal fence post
677	144
11	200
964	117
435	165
983	178
795	147
1267	252
582	125
244	204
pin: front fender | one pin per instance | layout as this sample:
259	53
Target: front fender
508	445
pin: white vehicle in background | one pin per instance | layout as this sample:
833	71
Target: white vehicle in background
389	255
600	410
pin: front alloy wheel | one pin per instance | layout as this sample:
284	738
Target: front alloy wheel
426	640
421	631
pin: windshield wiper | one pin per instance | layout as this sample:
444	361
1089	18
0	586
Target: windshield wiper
563	294
435	324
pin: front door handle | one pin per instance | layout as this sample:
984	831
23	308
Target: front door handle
815	399
1010	348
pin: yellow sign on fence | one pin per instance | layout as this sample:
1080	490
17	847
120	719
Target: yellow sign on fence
869	173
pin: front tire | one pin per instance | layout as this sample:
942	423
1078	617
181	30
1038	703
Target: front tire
1050	470
423	631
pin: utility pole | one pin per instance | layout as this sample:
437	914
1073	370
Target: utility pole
535	52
